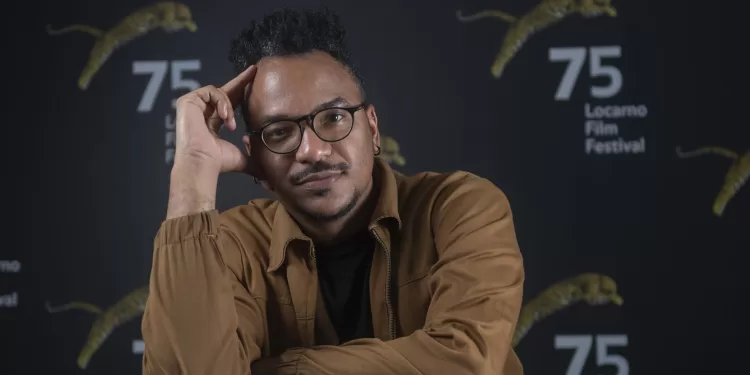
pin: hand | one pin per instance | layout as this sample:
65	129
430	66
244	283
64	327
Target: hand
200	155
200	116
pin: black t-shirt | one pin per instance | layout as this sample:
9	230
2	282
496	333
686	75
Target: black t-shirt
344	277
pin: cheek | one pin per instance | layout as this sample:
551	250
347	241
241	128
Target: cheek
357	148
275	167
360	158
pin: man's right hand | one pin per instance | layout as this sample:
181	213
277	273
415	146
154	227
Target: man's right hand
200	154
200	116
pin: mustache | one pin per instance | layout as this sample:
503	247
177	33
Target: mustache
318	167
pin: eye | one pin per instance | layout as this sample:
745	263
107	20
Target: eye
279	130
335	117
276	132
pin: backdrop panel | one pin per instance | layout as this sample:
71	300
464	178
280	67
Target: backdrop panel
620	156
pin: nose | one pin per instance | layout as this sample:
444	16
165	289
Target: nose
312	149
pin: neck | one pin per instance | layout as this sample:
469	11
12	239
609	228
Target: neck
340	230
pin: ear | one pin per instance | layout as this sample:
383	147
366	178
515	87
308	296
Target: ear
372	120
246	143
266	186
253	166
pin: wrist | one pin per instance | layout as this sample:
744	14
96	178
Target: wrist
192	189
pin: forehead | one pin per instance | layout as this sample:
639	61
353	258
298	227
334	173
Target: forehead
295	85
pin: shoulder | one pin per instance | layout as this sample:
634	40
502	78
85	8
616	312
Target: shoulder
455	205
445	189
255	216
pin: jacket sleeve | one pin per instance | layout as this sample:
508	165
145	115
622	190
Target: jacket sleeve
476	291
199	317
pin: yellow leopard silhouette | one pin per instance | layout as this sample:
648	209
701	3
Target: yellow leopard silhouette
126	309
592	288
736	177
391	151
544	15
168	15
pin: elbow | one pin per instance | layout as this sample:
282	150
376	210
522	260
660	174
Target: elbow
158	359
151	367
167	353
161	354
479	349
481	359
156	362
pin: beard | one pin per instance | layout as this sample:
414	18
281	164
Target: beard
331	216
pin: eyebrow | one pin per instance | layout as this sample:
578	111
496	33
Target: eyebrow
335	102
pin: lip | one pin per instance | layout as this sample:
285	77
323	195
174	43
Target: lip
321	179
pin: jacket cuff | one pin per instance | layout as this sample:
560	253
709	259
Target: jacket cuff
183	228
291	361
286	364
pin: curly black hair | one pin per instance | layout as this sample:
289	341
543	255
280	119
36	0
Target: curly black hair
290	32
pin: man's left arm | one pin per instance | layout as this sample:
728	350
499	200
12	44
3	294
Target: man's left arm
476	287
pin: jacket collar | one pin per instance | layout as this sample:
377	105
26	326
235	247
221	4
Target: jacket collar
285	230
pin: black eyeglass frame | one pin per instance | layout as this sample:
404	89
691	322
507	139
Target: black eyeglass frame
310	118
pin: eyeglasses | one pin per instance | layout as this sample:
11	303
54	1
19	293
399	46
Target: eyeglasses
330	125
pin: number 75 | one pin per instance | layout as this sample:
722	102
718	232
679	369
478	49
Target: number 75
581	345
575	58
158	71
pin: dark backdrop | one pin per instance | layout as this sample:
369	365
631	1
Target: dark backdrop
87	172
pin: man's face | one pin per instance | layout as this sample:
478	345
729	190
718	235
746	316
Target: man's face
323	180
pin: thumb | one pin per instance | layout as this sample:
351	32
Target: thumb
232	158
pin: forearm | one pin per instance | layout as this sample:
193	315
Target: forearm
362	357
443	351
190	324
192	189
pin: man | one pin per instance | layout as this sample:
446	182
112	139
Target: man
355	268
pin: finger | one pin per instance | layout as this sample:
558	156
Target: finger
235	88
219	109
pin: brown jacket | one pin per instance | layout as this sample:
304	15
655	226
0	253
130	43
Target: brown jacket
446	287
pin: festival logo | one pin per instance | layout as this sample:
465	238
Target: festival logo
126	309
169	16
736	176
610	127
591	288
544	15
